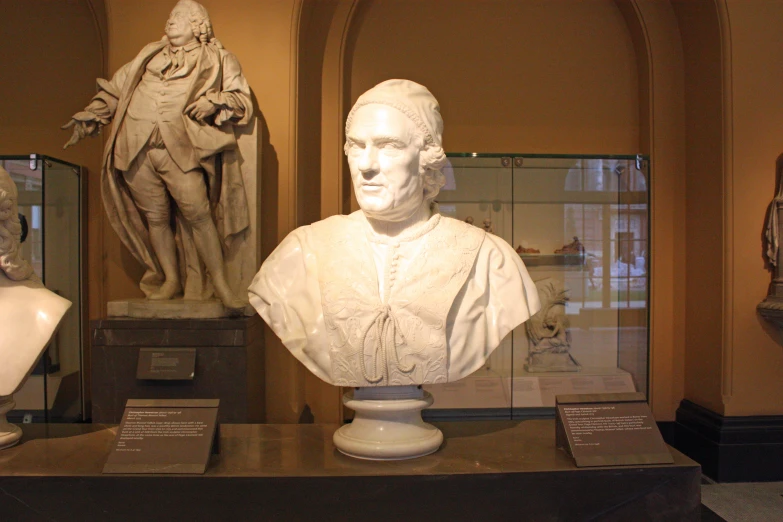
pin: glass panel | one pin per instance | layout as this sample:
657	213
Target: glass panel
61	249
580	224
49	201
633	334
478	190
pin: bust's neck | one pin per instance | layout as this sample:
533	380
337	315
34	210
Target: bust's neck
392	229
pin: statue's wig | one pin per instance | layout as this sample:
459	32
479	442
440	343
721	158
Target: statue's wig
199	21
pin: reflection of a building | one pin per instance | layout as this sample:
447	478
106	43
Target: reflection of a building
599	207
617	267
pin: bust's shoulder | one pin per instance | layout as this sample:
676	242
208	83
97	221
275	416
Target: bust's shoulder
30	295
333	229
337	224
460	226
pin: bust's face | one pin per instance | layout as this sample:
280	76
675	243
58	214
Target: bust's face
383	155
178	27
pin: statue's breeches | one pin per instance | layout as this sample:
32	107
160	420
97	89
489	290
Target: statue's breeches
154	175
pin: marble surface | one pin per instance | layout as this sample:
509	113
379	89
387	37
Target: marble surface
484	471
295	450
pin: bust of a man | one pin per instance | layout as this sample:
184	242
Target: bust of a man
29	312
395	293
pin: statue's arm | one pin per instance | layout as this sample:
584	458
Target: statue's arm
100	110
231	104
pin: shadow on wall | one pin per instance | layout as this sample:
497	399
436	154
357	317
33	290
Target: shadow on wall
270	176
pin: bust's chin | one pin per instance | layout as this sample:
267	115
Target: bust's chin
179	41
392	214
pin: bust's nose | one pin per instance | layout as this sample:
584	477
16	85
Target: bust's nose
368	162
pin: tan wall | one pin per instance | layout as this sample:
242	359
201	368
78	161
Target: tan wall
700	29
52	56
536	76
755	386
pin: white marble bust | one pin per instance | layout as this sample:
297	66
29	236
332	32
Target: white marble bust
30	313
393	294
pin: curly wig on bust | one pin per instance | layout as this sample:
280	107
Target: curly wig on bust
11	261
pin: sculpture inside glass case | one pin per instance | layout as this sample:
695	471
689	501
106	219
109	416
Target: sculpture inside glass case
30	313
178	109
550	340
394	294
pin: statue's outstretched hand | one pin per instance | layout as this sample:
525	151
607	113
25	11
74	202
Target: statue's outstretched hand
201	109
81	127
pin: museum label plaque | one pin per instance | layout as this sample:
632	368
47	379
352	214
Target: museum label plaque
609	429
166	364
165	436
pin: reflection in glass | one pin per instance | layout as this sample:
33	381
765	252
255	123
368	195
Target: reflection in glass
580	224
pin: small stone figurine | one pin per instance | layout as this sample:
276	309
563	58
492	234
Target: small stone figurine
550	340
573	248
525	250
488	226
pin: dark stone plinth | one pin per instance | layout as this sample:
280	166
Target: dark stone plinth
490	470
229	364
731	449
771	308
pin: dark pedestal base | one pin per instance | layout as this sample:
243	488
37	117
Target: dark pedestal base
493	470
731	449
229	364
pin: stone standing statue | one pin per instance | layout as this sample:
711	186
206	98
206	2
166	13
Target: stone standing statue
171	179
394	294
30	313
771	308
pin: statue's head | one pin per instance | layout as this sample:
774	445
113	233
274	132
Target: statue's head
11	262
394	146
188	22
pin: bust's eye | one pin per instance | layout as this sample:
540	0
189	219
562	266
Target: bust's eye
354	147
391	145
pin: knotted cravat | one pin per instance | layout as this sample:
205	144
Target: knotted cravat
177	59
386	326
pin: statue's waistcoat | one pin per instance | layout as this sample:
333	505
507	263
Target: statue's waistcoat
401	341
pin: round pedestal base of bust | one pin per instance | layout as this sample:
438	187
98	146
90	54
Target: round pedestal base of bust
388	429
9	433
11	437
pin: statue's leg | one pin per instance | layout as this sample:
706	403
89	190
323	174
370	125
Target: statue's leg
189	190
149	193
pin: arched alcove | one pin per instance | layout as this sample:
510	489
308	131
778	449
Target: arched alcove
600	77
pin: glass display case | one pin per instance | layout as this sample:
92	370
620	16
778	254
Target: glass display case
581	226
50	201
